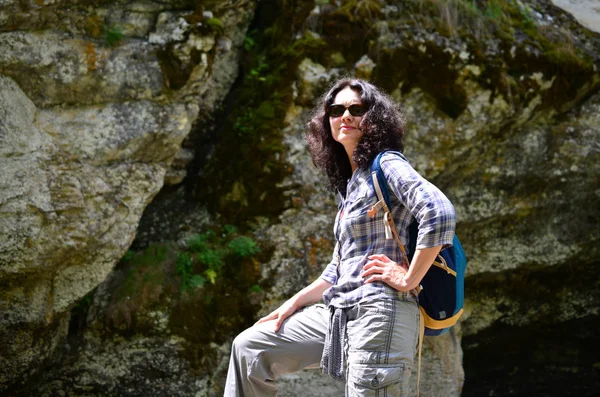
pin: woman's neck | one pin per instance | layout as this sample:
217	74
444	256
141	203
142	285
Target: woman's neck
350	152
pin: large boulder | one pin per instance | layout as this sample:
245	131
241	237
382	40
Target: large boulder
96	99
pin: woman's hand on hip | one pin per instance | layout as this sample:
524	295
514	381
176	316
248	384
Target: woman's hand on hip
382	268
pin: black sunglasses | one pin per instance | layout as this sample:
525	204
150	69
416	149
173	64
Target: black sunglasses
355	110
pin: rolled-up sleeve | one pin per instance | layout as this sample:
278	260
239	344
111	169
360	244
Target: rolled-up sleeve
432	209
330	272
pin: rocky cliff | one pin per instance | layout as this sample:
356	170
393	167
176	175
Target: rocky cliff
128	118
95	101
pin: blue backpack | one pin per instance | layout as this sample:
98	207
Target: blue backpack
441	296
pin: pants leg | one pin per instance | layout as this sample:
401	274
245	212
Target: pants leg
259	356
382	342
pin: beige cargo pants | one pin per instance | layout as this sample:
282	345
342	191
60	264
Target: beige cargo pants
380	346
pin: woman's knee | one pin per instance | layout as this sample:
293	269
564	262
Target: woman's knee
245	342
242	342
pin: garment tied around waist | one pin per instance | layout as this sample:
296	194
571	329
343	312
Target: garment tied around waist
332	361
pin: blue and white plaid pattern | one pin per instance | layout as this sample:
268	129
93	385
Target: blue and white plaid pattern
359	235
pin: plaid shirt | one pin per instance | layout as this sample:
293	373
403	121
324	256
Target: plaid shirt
359	235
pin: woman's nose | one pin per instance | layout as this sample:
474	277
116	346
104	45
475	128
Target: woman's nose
346	115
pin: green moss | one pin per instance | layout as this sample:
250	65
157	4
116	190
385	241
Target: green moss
566	57
308	43
183	267
337	59
79	314
427	70
128	256
215	24
177	72
113	35
249	42
143	283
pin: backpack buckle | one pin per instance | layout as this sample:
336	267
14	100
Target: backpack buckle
374	209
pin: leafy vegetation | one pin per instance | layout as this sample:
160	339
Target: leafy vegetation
209	253
113	35
168	273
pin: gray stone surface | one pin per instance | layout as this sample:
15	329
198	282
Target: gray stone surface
587	12
90	123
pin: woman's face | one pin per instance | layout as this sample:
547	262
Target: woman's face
344	126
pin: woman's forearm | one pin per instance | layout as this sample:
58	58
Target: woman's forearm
310	294
419	266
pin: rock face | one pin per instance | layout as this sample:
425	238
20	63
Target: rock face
66	222
95	101
102	104
585	11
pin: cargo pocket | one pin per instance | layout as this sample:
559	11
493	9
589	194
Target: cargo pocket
369	379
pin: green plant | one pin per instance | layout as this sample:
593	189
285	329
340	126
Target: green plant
360	10
229	229
142	281
113	35
494	10
211	258
526	14
308	42
83	305
198	242
249	43
166	277
209	252
189	281
128	255
243	246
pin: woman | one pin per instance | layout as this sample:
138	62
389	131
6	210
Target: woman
368	332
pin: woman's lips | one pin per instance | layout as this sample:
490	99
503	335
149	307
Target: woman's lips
347	127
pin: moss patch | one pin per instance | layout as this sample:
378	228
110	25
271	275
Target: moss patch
201	285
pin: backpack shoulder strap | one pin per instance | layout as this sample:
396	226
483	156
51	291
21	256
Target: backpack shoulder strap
413	228
376	167
383	194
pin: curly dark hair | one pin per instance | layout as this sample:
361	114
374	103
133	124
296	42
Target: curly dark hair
382	126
